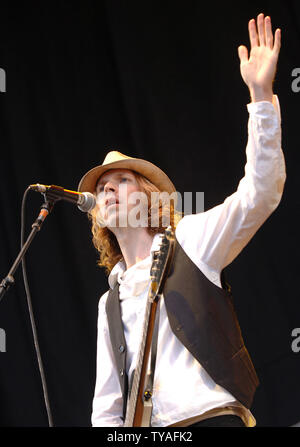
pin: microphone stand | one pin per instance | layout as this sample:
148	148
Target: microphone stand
9	280
45	210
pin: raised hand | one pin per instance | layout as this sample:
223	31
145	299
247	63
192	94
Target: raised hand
258	70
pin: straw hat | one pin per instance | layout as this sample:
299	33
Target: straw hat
116	160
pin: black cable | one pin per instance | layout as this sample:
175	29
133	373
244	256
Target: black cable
30	309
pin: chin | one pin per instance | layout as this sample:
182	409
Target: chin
116	221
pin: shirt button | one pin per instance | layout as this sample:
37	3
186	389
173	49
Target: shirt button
121	348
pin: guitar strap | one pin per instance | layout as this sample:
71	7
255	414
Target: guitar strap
117	338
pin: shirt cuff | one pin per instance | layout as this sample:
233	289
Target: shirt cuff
263	106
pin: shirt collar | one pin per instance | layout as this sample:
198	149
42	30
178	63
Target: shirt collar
119	268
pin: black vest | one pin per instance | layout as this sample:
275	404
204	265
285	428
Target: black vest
202	316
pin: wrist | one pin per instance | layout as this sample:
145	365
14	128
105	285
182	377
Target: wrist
260	94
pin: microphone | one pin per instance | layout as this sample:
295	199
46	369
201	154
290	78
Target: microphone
85	201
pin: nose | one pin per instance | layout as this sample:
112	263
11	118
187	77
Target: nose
109	186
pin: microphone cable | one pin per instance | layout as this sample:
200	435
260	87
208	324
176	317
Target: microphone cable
32	321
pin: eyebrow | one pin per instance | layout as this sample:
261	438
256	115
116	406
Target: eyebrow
119	174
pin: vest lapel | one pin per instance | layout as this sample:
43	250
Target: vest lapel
118	342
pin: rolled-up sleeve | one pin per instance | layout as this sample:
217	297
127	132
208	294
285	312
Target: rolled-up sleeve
107	403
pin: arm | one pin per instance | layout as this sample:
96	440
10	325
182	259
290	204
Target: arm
107	402
213	239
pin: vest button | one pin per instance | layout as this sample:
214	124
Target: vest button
121	348
178	328
121	372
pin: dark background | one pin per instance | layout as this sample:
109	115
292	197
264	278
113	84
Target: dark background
158	80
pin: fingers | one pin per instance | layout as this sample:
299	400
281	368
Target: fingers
260	33
268	32
253	34
261	29
277	42
243	53
257	34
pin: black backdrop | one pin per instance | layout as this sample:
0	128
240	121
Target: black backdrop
156	80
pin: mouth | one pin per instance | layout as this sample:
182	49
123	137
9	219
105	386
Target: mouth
111	205
111	202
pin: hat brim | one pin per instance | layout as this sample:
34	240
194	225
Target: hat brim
154	174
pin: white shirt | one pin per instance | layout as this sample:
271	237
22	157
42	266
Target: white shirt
212	239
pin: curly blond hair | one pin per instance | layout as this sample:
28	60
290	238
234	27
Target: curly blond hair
106	242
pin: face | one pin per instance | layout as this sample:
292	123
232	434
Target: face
117	191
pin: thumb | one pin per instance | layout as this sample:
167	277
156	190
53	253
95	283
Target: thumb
243	53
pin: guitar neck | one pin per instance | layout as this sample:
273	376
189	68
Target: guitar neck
134	410
159	270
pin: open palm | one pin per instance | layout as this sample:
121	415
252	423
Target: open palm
258	70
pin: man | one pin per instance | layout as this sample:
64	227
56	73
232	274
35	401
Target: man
204	375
